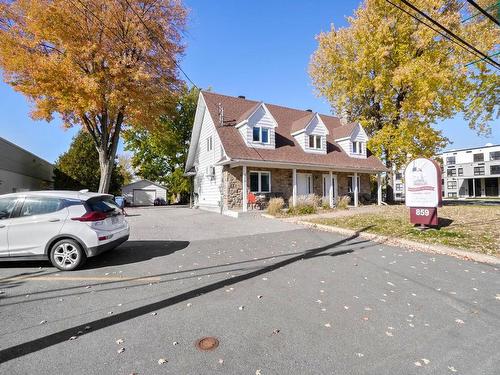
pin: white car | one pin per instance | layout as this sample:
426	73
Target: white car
64	226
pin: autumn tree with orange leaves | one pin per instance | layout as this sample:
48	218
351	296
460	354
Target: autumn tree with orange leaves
100	64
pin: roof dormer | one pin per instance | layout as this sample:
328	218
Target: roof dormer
352	139
257	127
310	132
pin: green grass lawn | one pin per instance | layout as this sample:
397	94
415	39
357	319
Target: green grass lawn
473	228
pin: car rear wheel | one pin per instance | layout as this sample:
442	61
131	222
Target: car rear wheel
67	255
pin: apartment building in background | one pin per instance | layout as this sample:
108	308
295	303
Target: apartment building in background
471	172
467	173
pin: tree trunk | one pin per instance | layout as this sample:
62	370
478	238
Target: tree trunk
389	181
106	162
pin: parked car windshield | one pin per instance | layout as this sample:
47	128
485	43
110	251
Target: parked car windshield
6	207
102	204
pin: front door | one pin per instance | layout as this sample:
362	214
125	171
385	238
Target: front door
326	187
304	184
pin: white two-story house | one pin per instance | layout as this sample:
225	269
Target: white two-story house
241	147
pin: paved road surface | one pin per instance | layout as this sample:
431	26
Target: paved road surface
281	299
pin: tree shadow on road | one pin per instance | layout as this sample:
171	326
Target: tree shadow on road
41	343
140	281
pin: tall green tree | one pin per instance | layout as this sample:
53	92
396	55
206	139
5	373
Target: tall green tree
160	153
397	77
78	168
98	64
125	167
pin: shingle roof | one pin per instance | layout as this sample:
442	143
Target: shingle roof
343	130
301	123
287	149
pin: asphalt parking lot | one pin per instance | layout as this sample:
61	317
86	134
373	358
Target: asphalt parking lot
280	299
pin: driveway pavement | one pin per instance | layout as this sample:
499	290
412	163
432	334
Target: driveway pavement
281	299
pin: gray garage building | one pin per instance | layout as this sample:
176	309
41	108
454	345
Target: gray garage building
21	170
143	193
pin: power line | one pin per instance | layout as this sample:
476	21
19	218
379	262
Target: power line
432	28
476	61
99	20
496	5
483	11
150	32
219	106
486	58
160	44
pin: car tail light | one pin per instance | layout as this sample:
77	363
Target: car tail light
91	216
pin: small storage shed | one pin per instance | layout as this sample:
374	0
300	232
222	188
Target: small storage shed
143	193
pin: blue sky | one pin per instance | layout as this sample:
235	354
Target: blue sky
259	49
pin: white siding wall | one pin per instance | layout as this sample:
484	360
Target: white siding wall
301	139
208	188
346	146
358	135
316	127
128	190
245	133
260	118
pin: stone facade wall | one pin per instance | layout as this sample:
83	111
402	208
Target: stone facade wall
343	188
281	182
233	187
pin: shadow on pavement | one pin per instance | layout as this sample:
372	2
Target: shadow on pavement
41	343
134	252
211	270
129	252
14	281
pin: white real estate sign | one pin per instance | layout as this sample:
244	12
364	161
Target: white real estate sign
423	183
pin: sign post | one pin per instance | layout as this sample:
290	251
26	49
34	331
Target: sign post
423	191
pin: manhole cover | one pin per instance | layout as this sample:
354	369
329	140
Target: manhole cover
207	343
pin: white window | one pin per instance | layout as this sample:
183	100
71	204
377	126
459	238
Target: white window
315	142
209	143
260	182
210	171
260	134
357	148
350	186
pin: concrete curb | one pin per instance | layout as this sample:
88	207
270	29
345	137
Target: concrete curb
412	245
268	216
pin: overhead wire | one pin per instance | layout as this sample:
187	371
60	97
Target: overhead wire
483	11
452	34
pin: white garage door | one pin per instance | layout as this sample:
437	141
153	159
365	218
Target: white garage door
144	197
